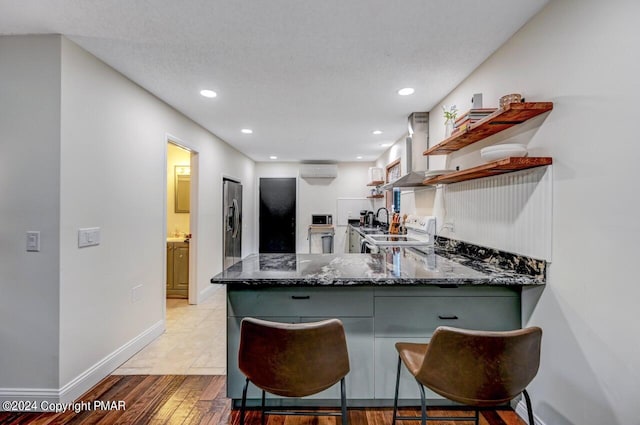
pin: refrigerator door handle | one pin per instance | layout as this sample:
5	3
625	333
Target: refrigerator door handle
235	216
230	218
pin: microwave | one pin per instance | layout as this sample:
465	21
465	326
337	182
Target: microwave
321	219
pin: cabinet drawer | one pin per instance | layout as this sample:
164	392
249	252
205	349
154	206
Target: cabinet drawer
436	291
419	316
325	302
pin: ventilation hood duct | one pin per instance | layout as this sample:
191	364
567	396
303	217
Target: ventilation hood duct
418	128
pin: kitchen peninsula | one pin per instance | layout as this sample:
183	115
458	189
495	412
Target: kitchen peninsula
401	295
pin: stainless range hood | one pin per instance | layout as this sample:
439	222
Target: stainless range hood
419	128
412	178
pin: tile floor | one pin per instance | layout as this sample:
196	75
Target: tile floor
194	342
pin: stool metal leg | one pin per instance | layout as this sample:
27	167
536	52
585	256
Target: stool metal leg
244	401
423	404
343	401
262	415
395	398
529	407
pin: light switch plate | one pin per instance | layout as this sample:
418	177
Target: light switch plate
33	241
89	236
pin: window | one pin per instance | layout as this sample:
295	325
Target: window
393	171
393	197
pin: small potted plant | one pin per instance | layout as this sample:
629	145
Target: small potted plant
450	114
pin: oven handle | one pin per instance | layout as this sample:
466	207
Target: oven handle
366	247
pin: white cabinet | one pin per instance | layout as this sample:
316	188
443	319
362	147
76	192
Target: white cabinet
354	240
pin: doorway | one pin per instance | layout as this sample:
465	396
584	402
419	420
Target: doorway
178	232
277	218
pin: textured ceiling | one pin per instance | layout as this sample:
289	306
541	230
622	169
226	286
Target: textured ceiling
311	78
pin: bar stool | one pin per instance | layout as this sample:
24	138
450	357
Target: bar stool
475	368
293	360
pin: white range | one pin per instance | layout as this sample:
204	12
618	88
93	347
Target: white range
420	234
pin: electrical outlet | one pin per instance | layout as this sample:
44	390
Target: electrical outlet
136	294
89	236
449	226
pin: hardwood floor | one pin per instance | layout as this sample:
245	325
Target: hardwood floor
155	399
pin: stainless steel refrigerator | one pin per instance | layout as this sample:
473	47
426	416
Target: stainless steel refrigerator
232	224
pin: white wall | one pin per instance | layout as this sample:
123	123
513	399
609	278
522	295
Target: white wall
319	196
580	55
114	144
29	200
88	148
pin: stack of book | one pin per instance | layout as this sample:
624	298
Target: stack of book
470	117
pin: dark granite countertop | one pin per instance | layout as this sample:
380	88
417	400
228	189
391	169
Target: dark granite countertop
406	266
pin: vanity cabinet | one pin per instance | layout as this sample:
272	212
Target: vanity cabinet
177	269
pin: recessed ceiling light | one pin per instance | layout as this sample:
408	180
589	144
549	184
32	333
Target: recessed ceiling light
208	93
273	157
359	157
247	131
376	132
385	145
406	91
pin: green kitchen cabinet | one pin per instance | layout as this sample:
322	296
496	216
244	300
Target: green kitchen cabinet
413	314
359	381
375	318
353	306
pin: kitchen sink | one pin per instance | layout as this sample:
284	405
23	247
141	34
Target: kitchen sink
395	240
373	230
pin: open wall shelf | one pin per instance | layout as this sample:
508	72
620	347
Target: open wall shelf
513	114
376	183
501	166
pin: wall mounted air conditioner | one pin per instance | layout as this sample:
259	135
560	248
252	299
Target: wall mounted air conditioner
319	171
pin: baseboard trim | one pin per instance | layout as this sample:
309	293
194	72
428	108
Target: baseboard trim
32	394
205	293
87	379
521	410
83	382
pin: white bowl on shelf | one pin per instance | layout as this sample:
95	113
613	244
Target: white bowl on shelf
494	153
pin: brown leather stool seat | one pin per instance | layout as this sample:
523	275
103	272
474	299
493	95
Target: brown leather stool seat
293	360
475	368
